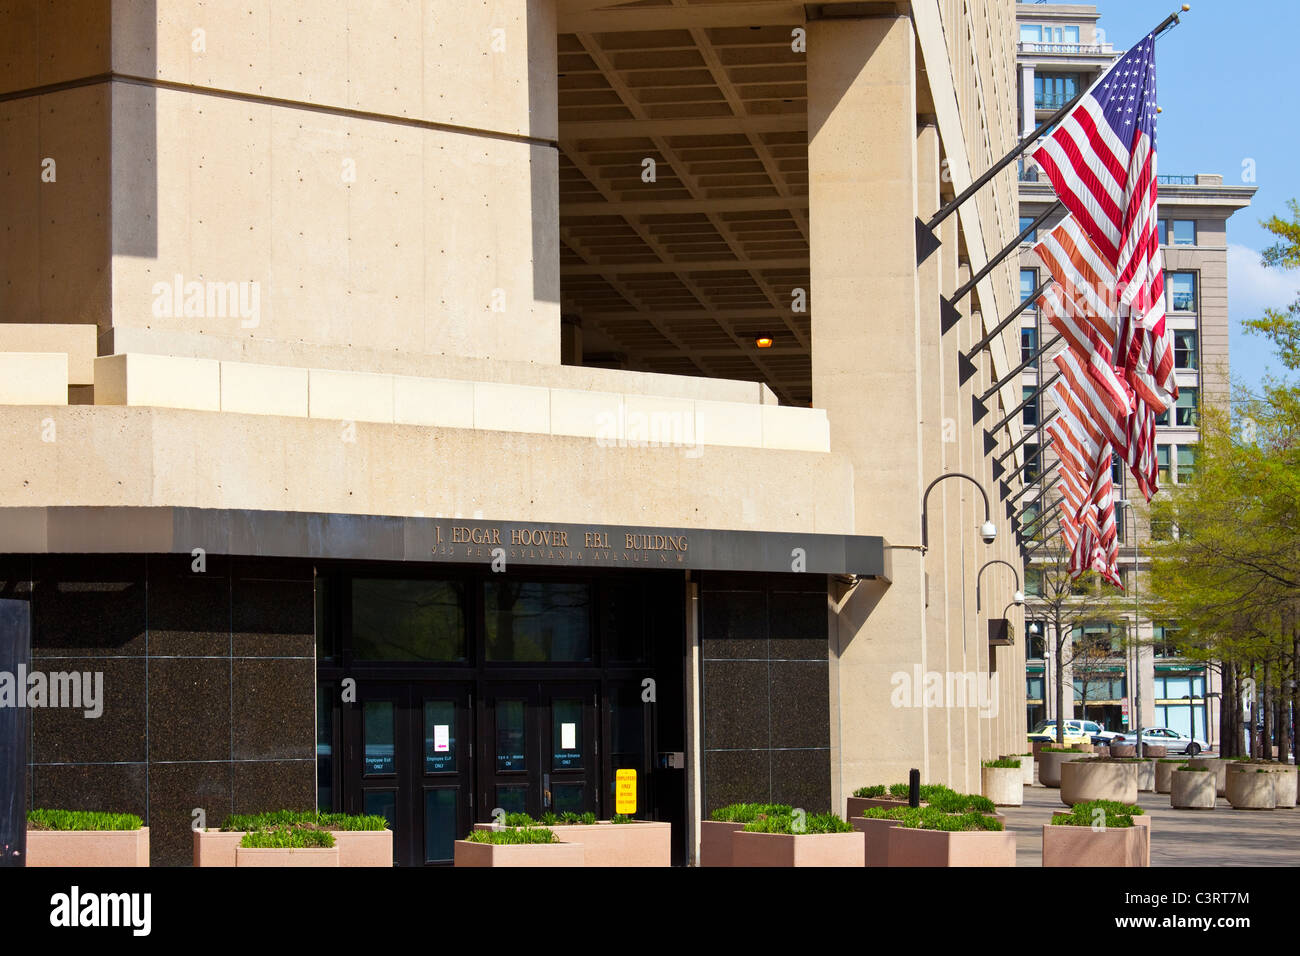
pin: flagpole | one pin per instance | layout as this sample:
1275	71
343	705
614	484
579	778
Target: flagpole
948	208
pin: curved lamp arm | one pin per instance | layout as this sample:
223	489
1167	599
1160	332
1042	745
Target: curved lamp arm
981	571
925	506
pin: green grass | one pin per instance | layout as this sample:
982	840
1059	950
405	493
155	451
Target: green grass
287	837
932	818
81	820
303	818
1195	769
1081	814
1003	763
622	818
749	812
871	793
813	823
513	835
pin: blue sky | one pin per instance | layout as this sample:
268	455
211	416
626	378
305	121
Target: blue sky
1225	76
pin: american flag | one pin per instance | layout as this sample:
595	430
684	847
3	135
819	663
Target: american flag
1101	160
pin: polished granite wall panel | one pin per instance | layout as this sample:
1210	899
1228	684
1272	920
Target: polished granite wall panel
208	684
765	692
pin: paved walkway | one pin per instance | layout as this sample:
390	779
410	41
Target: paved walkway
1219	837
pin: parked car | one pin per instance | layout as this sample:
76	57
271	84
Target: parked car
1074	732
1164	737
1100	735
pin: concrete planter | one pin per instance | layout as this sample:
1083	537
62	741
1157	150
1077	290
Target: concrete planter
644	843
1123	750
715	841
1192	790
1248	790
1084	846
355	847
1146	776
1026	766
858	804
909	847
88	847
1037	748
1165	774
1220	768
876	837
1085	780
288	856
517	854
1049	765
1155	750
1284	784
798	849
1005	786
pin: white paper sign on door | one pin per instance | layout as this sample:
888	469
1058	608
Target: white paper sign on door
568	736
441	738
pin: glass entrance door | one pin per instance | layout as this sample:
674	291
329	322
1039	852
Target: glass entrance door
540	749
412	765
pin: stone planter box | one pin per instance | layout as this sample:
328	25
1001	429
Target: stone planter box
1155	750
1049	766
858	804
355	847
1220	768
1084	780
1284	783
1123	750
1026	766
288	856
517	854
1248	790
876	837
1005	786
1165	774
1192	790
645	843
1146	776
798	849
1083	846
88	847
909	847
715	842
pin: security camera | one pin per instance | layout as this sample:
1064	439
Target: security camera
989	532
1018	598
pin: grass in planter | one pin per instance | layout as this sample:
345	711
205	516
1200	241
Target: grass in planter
1195	769
813	823
513	836
309	819
875	792
81	820
953	802
1082	814
1002	763
622	818
749	812
291	837
932	818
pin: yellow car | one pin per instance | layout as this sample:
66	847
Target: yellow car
1074	733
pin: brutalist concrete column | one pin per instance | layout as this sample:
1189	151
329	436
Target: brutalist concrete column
15	656
956	417
866	368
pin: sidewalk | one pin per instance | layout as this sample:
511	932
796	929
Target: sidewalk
1219	837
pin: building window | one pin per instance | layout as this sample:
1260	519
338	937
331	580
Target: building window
1037	633
1028	343
1186	463
1162	464
1031	33
1034	687
1182	291
1163	644
1034	582
1162	229
1185	348
1184	232
1054	90
1028	283
1025	223
1186	408
1030	414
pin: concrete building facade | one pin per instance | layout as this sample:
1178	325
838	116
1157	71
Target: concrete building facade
1061	51
388	421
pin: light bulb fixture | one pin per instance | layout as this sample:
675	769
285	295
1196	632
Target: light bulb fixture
763	341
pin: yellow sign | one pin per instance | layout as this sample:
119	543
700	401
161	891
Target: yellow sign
625	791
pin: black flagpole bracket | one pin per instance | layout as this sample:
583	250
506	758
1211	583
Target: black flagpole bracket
926	242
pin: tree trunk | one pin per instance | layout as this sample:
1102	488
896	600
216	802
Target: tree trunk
1060	682
1295	693
1227	706
1254	714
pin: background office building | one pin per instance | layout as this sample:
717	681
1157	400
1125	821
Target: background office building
440	409
1062	51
